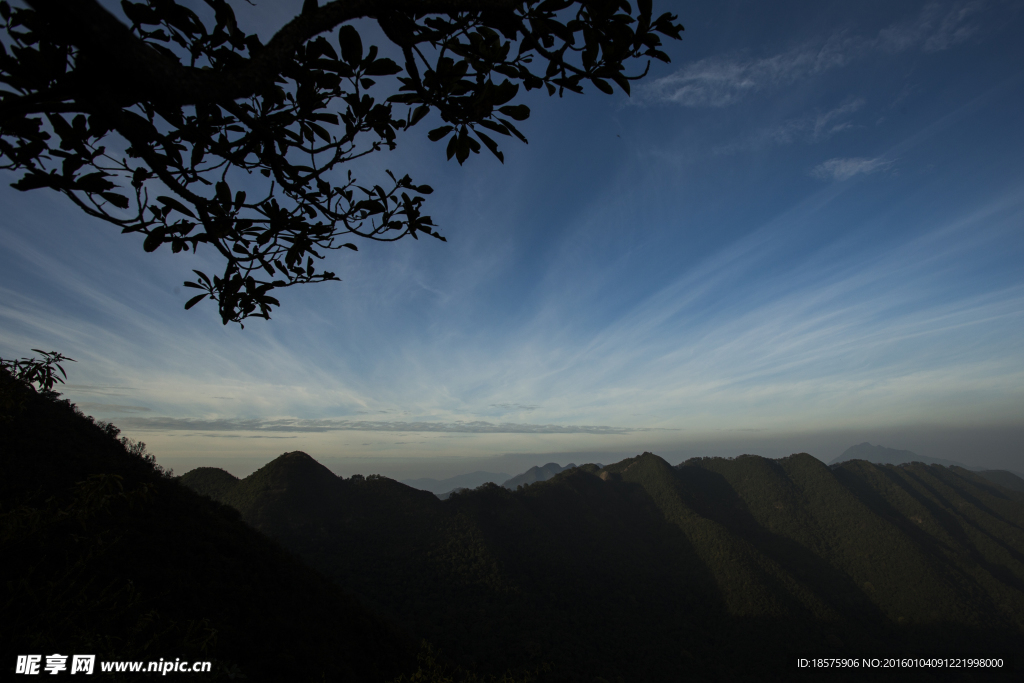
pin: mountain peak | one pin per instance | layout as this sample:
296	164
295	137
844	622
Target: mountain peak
209	481
295	458
296	455
294	475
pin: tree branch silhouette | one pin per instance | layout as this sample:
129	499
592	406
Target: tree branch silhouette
153	126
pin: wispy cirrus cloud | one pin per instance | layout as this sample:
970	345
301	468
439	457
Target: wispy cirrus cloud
721	81
335	425
726	80
844	169
810	129
936	27
515	406
829	123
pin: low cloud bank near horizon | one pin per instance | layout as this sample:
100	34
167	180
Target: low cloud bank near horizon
994	446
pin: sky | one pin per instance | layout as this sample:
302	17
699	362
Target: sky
805	232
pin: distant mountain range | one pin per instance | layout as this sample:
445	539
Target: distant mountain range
443	488
864	451
891	456
723	568
462	481
535	474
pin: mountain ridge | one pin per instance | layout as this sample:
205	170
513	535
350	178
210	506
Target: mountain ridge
889	456
699	557
535	474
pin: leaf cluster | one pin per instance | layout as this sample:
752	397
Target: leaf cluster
154	127
40	372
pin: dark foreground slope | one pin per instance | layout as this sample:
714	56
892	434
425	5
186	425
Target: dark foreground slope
640	571
102	555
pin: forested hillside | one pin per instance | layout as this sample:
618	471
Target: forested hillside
1003	478
723	568
103	554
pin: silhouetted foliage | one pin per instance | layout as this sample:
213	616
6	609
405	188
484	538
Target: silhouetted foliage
153	127
30	373
41	372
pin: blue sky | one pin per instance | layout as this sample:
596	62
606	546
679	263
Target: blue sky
805	232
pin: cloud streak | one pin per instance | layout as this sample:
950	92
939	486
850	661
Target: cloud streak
336	425
810	129
111	408
722	81
935	28
844	169
515	406
839	331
